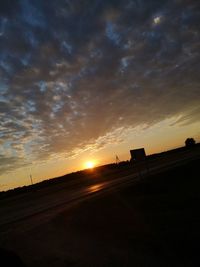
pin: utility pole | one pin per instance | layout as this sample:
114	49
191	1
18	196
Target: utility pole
117	159
31	179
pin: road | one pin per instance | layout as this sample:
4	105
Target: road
21	207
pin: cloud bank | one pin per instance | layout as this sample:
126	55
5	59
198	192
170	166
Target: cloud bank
73	72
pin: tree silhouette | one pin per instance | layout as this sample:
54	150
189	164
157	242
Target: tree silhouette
190	142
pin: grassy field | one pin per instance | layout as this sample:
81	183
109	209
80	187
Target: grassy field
152	223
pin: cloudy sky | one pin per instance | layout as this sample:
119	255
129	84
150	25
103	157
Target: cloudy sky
90	79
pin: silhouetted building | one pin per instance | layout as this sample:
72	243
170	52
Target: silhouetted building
138	155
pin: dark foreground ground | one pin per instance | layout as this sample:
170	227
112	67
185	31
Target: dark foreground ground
155	222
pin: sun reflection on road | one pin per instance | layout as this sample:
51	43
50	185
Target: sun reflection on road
95	188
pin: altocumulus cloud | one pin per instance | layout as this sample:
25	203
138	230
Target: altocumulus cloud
74	72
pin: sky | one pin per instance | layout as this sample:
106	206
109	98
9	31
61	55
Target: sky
89	80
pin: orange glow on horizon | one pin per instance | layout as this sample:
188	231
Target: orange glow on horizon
89	164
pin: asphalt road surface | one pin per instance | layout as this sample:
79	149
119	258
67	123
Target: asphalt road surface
20	207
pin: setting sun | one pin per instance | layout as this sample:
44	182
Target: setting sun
90	164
